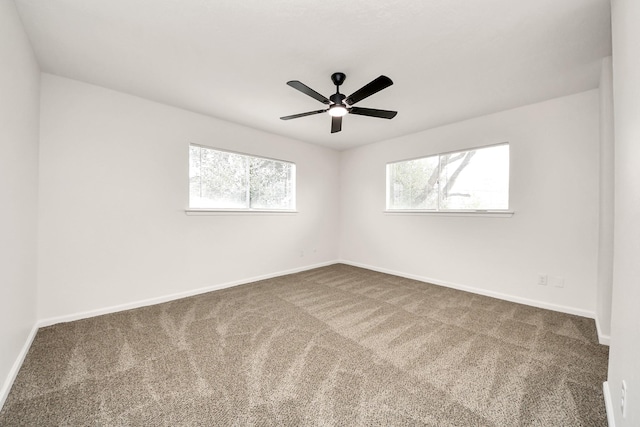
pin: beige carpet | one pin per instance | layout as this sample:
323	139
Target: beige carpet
336	345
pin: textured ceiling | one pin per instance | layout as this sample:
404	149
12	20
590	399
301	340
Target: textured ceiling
449	59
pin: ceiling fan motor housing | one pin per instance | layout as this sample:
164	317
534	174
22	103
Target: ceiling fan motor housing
337	98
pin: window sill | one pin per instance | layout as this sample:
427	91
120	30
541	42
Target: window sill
205	212
479	213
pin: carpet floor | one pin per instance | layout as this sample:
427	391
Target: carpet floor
337	345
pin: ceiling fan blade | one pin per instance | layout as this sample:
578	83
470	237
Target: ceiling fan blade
375	86
308	91
336	124
295	116
372	112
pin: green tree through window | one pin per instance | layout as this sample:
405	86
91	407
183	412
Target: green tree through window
225	180
475	179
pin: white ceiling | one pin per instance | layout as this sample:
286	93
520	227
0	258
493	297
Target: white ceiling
449	59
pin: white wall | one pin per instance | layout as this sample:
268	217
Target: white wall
19	103
606	192
625	321
113	189
554	193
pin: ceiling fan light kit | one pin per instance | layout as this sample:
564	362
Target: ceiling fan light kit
341	105
338	110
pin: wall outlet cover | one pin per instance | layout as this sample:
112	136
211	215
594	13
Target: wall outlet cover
542	279
556	281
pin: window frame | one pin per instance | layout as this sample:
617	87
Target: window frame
241	211
508	212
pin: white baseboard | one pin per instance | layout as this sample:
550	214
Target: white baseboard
13	373
6	387
603	339
166	298
608	404
480	291
8	383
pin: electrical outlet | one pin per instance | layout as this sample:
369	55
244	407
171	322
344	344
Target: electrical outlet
542	279
623	399
302	253
556	281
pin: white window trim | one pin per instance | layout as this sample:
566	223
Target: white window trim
496	213
206	212
244	211
469	213
240	153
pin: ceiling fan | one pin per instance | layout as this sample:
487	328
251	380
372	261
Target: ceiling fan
340	105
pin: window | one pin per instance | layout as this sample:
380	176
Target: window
472	180
225	180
